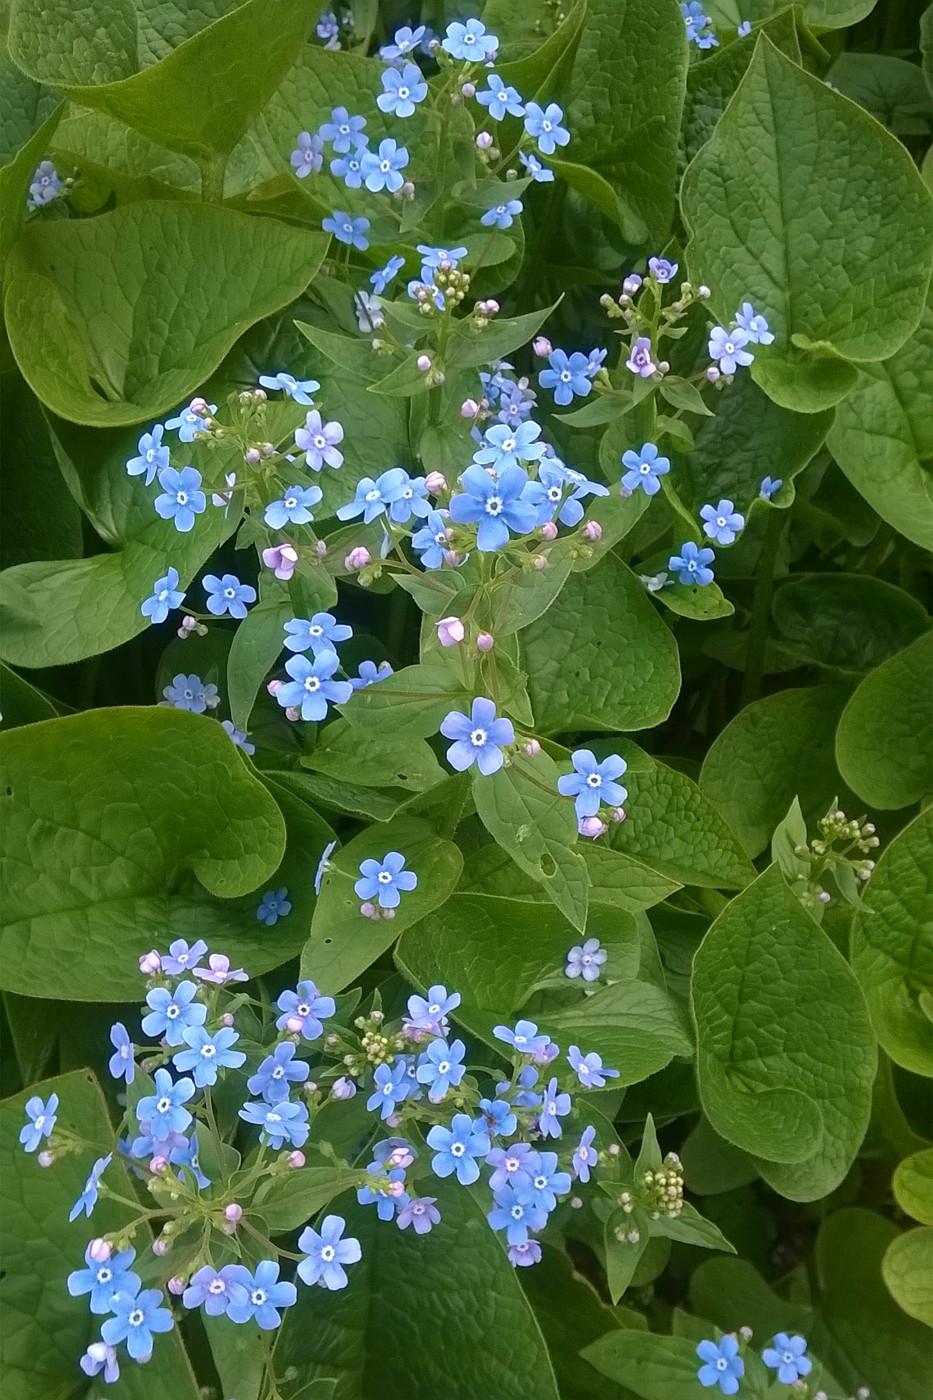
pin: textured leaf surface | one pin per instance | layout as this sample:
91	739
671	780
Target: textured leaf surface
884	747
908	1272
28	120
846	621
913	1185
652	1367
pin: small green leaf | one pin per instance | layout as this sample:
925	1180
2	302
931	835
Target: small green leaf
379	761
409	704
884	747
913	1185
286	1202
469	347
908	1272
652	1367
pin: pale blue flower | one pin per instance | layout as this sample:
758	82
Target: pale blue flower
495	505
182	498
300	390
769	488
544	125
322	632
721	522
191	693
381	279
343	132
326	1253
502	215
311	687
787	1356
165	595
644	469
294	508
228	595
40	1120
692	564
273	906
307	156
381	170
754	326
728	347
541	174
592	783
479	738
402	91
373	498
347	229
153	455
208	1053
457	1148
137	1317
102	1278
663	270
589	1069
722	1365
469	41
265	1295
500	99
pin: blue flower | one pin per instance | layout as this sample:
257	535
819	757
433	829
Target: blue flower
273	906
412	501
500	98
524	1097
164	1110
787	1357
546	1183
45	185
469	41
406	41
346	229
722	522
307	1007
384	879
381	278
208	1053
122	1064
238	737
228	595
181	959
644	469
722	1365
265	1294
181	499
279	1122
524	1039
103	1278
663	270
554	1106
541	174
544	126
307	156
328	29
386	1201
311	688
430	1013
495	505
190	693
401	92
298	389
40	1120
277	1071
88	1198
691	565
165	596
502	215
172	1013
185	1155
391	1086
294	507
327	1252
744	28
323	864
320	633
349	168
433	257
522	1255
216	1289
440	1066
381	169
585	960
478	739
134	1321
500	1120
754	326
584	1155
769	489
456	1148
728	347
591	783
153	457
567	375
189	423
590	1069
343	131
370	673
516	1215
506	447
421	1213
373	498
514	1164
431	540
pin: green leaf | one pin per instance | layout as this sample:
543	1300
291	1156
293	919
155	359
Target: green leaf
772	751
345	752
38	519
690	1227
540	74
785	1052
571	1316
884	748
848	622
257	645
615	878
519	601
470	1341
30	118
908	1273
409	704
882	436
913	1185
22	703
522	810
892	943
652	1367
286	1202
45	1329
600	193
891	89
469	347
600	657
343	942
104	811
198	99
712	1165
856	291
78	290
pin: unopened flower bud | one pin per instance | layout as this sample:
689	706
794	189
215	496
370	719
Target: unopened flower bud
296	1159
282	558
548	531
703	292
150	963
252	455
293	714
233	1212
485	641
613	1149
746	1334
452	558
824	896
227	1018
625	492
388	913
396	1188
434	482
631	284
540	562
368	910
542	347
343	1088
176	1286
407	192
99	1250
592	827
664	366
273	686
483	141
450	631
424	363
199	406
294	1024
469	408
358	558
393	1120
188	624
713	373
468	89
45	1158
532	748
592	530
160	1247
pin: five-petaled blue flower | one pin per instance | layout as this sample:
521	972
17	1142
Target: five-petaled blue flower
544	125
592	783
590	1070
433	257
190	693
45	185
307	156
40	1118
663	270
277	1071
181	499
306	1008
506	447
516	1214
524	1039
88	1198
769	488
189	422
165	1110
567	375
430	1013
311	688
401	92
208	1053
122	1064
586	960
216	1289
554	1106
541	174
319	633
440	1066
755	326
469	41
431	540
171	1013
136	1317
787	1356
346	229
728	347
273	906
294	507
381	170
722	522
421	1214
494	504
722	1365
349	167
390	1086
406	40
500	98
691	565
384	275
103	1278
644	469
383	879
327	1252
585	1155
478	738
181	958
373	498
370	673
165	595
413	500
502	215
279	1122
546	1183
265	1294
514	1164
228	595
500	1120
298	389
343	131
456	1148
153	456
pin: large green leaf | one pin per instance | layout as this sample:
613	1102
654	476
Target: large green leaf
882	436
908	1273
785	1053
27	124
38	520
615	878
849	622
775	750
103	813
109	318
421	1317
600	657
892	946
571	1315
891	89
884	747
840	267
652	1367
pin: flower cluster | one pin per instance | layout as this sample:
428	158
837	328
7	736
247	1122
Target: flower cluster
723	1365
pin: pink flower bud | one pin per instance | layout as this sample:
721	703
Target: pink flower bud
450	631
281	558
483	141
703	292
664	366
424	363
343	1088
388	913
468	89
273	687
320	548
253	456
631	284
592	530
294	1024
452	558
99	1250
399	1157
158	1164
625	491
160	1247
199	406
548	531
542	347
824	896
469	408
592	827
713	373
150	963
396	1188
233	1212
188	624
618	814
176	1286
492	307
45	1158
368	910
227	1018
293	714
393	1120
358	558
435	481
540	562
532	748
407	191
296	1159
485	641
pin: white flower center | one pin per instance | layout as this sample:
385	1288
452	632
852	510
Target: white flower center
554	493
328	1254
721	1363
216	1286
457	1149
540	1183
173	1010
788	1358
372	495
208	1051
384	877
512	1164
320	441
291	502
721	521
444	1067
565	376
478	738
594	780
182	498
312	684
303	1009
517	1211
136	1317
730	348
494	505
104	1275
278	1072
545	125
228	593
257	1297
403	92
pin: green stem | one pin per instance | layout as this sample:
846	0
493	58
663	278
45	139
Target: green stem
213	169
764	588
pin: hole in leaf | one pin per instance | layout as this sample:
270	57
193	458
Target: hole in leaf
548	865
